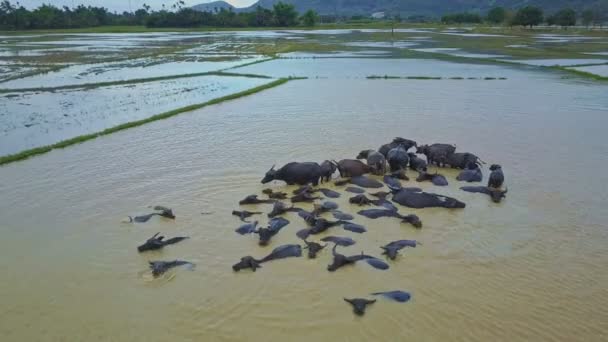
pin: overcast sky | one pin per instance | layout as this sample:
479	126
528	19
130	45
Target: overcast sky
123	5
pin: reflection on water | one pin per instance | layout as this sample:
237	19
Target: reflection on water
531	268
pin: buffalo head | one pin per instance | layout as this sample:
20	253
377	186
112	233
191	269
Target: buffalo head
497	195
269	177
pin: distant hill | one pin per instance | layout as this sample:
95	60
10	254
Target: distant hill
433	8
213	7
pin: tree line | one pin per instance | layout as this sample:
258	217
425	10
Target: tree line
17	17
47	16
532	16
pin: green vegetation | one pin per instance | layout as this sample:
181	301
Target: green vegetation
587	17
497	15
47	16
528	16
285	14
580	73
310	18
564	18
461	18
40	150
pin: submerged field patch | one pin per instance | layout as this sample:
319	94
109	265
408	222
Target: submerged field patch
29	120
363	67
120	71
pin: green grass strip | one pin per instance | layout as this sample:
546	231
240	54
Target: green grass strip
131	81
581	73
250	63
79	139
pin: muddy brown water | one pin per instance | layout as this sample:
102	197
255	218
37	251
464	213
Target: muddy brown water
531	268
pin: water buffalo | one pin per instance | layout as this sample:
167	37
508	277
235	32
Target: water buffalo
164	212
496	194
342	260
461	160
360	200
157	242
406	143
419	200
435	178
304	197
160	267
397	158
436	153
274	227
247	228
253	199
327	170
392	249
416	163
497	177
245	214
351	168
472	173
339	240
281	208
274	195
398	296
355	228
281	252
329	193
338	215
377	213
295	173
375	160
313	248
324	207
365	182
359	305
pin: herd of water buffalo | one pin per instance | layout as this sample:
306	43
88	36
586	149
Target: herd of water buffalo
391	162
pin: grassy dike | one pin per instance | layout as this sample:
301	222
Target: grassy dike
79	139
132	81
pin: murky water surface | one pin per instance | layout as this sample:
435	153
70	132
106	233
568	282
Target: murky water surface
529	269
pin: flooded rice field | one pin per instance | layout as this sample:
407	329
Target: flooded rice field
528	268
32	119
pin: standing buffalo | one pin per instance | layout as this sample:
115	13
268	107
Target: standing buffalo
327	170
417	164
398	158
461	160
437	153
351	168
406	143
375	160
497	178
295	173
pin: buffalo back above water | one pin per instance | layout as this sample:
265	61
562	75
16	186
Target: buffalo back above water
295	173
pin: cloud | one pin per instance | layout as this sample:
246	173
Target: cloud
123	5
